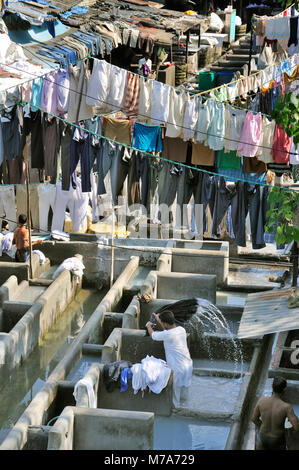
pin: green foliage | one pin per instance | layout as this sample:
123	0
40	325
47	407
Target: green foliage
287	3
282	214
286	113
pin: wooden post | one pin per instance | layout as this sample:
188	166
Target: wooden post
29	218
295	263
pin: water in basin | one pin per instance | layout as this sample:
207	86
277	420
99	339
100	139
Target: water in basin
182	433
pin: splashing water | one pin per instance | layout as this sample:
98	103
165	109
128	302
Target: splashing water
209	319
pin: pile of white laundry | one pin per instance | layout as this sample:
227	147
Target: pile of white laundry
152	373
74	265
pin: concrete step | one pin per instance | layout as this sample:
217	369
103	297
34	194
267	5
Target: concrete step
240	57
241	50
228	63
215	68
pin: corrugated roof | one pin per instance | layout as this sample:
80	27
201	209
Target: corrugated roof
267	312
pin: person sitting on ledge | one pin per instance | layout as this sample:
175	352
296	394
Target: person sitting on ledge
176	351
4	227
269	416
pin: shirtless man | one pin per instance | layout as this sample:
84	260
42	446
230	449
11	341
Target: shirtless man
21	240
269	416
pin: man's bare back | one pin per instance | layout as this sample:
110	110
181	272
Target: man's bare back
269	416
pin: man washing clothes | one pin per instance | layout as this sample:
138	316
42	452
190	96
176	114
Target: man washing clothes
269	416
176	352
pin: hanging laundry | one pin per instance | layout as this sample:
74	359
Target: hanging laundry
80	151
251	136
49	130
190	117
36	93
234	122
63	92
264	151
160	103
202	155
49	93
216	130
145	98
229	161
281	145
117	85
253	165
203	120
117	129
178	99
175	149
132	90
11	134
98	85
79	109
147	138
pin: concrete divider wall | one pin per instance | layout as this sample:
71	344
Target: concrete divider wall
58	251
201	262
8	289
182	286
131	316
43	404
55	299
20	341
160	404
21	270
97	429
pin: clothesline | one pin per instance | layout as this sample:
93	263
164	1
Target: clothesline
120	109
158	157
282	12
240	79
176	88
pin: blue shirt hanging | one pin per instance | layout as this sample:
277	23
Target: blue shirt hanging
147	138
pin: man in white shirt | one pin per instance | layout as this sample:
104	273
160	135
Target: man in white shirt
176	352
145	65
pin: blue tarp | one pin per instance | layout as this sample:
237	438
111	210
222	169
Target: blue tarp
37	33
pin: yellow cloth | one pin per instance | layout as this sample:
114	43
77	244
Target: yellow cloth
100	227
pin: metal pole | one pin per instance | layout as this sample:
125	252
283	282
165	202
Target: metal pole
187	44
112	250
29	218
250	52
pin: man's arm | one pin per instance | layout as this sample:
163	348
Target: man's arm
256	416
292	418
149	328
156	315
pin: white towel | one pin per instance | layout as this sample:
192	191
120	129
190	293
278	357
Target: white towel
87	382
42	258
